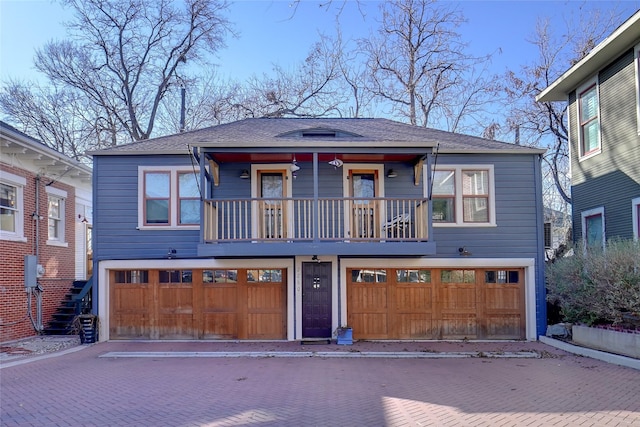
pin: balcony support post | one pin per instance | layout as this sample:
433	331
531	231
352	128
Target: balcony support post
316	204
203	193
429	196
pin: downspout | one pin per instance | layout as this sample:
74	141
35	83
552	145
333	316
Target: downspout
541	297
37	291
36	218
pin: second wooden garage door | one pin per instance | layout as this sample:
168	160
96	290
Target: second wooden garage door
436	303
198	304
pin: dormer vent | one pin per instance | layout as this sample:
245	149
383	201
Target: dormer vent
318	134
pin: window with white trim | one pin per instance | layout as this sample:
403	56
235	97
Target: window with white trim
168	197
11	207
56	201
463	196
588	120
188	199
635	214
593	227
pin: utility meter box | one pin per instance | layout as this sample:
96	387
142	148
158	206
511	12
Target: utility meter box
30	271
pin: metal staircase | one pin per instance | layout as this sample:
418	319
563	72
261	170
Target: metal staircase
76	301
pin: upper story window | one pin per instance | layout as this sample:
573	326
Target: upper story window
588	120
188	199
593	227
56	216
168	197
11	207
463	196
157	195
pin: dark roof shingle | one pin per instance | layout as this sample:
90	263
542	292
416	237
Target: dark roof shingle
274	132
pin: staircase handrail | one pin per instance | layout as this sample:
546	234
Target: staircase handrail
82	294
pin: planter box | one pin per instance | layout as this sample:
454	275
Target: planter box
624	343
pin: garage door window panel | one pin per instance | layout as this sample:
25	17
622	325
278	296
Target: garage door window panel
220	276
413	276
264	276
502	276
175	276
132	276
369	276
458	276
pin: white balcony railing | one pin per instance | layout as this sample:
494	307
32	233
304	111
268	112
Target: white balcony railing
337	219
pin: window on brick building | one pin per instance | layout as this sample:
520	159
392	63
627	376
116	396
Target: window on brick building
56	216
11	207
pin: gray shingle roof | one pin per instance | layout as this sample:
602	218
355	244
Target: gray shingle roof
276	132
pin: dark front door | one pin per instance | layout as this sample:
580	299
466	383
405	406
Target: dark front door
316	299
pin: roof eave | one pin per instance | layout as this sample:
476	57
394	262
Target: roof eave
624	37
317	143
136	153
494	151
33	144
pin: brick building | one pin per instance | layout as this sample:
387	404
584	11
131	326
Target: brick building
45	211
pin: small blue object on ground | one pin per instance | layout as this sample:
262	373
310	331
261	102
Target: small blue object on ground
345	336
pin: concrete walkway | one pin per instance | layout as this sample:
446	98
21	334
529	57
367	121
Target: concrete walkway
93	387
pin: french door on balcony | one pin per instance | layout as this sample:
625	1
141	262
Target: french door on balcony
270	211
364	212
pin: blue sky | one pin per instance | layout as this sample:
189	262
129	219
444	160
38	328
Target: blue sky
269	34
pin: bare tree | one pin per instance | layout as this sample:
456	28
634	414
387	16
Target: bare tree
209	101
58	117
309	90
124	55
418	61
545	123
353	77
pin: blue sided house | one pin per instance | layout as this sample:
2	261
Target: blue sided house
286	229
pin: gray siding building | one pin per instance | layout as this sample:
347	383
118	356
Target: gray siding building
603	92
291	228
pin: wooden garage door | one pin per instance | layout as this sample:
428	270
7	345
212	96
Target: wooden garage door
436	303
198	304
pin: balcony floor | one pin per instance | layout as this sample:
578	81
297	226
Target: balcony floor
286	249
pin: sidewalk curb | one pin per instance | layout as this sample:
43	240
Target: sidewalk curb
321	354
616	359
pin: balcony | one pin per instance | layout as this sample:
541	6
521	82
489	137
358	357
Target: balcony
323	226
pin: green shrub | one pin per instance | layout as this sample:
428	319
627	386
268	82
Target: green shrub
597	286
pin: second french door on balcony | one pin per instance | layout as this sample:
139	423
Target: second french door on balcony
364	213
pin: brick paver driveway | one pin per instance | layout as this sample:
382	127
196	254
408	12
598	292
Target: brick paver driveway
81	389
